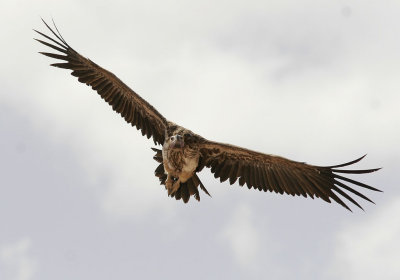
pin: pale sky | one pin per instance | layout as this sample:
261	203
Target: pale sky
311	80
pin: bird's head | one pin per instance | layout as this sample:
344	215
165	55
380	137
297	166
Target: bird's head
179	140
176	141
177	137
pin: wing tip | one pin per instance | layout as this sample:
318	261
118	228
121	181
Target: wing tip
347	163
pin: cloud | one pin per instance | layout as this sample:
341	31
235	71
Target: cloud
314	81
242	236
16	263
370	250
246	62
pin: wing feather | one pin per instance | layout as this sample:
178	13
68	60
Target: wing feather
233	174
134	109
281	175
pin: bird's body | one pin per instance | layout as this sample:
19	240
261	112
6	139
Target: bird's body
185	153
181	154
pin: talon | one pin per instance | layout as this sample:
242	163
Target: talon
174	188
172	185
169	182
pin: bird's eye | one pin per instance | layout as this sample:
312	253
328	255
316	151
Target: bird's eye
172	138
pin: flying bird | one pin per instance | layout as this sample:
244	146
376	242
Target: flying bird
185	153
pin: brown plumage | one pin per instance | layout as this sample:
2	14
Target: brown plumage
185	153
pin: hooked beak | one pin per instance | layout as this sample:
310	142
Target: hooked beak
178	142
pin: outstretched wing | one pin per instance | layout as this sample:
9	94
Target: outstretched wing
281	175
134	109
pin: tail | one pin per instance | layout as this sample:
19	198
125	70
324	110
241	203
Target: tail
187	189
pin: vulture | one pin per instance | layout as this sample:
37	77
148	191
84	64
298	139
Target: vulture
184	153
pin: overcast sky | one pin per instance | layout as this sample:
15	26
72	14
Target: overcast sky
311	80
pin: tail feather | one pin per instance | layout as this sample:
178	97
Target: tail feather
187	189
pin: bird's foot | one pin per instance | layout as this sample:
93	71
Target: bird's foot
169	182
173	189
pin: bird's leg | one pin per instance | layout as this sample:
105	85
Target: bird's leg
175	187
169	182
